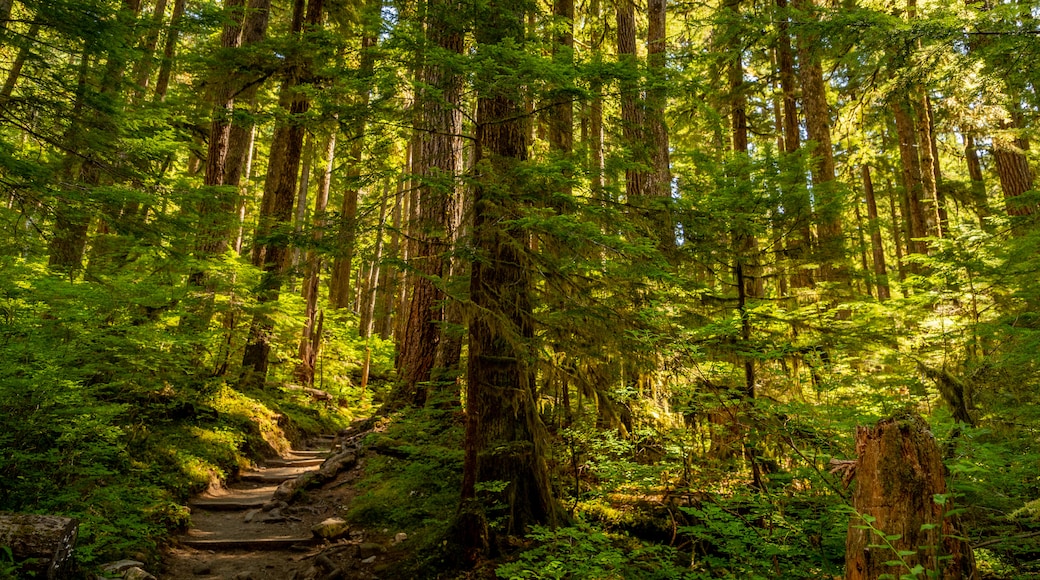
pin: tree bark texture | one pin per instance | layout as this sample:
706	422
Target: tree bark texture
504	433
1016	177
436	167
342	263
271	249
903	512
817	122
912	180
876	244
632	125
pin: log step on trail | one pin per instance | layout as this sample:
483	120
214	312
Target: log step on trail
275	474
246	543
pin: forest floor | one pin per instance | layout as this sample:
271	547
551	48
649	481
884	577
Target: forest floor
239	533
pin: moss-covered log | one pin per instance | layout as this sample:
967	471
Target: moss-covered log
43	544
903	525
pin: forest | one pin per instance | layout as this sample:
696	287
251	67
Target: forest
606	289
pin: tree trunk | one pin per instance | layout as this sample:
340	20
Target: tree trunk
978	183
1016	177
15	71
505	436
162	83
346	239
903	518
912	180
436	160
880	271
631	108
817	121
310	341
276	208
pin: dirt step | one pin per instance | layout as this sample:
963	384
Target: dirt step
302	462
229	505
279	543
310	452
273	475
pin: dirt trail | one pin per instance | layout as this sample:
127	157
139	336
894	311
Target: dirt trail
240	533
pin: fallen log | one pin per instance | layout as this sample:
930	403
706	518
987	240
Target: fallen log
42	544
328	471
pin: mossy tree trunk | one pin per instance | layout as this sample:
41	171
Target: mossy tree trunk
903	524
504	477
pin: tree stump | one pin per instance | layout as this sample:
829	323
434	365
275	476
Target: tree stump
42	543
902	527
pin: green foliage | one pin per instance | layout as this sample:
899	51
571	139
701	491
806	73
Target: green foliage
584	551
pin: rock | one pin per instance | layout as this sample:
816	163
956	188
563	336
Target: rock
400	537
369	549
250	515
202	569
273	517
274	505
243	576
136	573
331	529
369	560
121	566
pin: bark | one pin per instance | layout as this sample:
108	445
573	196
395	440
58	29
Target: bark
978	182
596	160
631	108
270	253
880	270
143	68
1016	177
863	250
15	72
374	290
659	179
913	183
785	61
896	222
817	122
930	176
436	167
899	480
342	263
504	439
310	341
162	82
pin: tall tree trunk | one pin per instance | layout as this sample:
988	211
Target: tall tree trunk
817	122
346	239
912	180
15	72
1016	177
978	183
269	253
504	432
436	159
162	83
880	271
631	107
788	86
143	68
310	341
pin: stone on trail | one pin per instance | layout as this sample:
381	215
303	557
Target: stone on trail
121	566
331	529
136	573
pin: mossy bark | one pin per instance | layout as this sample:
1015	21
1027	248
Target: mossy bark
903	518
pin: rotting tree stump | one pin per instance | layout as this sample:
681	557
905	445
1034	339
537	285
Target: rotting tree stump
902	527
43	544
